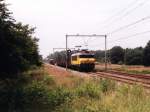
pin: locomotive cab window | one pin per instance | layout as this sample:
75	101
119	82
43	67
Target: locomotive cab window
74	58
86	56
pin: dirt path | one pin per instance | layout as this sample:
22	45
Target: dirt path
63	77
57	71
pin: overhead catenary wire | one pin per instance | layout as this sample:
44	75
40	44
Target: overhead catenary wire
127	13
121	11
116	18
131	24
133	35
127	26
122	38
130	11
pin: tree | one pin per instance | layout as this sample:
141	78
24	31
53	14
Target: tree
19	49
134	56
59	57
99	55
117	54
146	56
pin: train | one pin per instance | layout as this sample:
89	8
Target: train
81	60
52	61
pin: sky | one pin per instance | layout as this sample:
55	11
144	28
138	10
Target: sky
54	19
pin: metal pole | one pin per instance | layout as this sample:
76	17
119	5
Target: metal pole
66	52
53	50
105	52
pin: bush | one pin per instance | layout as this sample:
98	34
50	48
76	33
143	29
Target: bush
11	98
117	54
107	85
34	97
90	90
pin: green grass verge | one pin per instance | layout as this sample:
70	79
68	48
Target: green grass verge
36	91
125	70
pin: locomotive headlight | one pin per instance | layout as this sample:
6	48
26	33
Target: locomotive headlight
92	60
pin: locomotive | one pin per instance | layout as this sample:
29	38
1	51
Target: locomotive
80	60
83	60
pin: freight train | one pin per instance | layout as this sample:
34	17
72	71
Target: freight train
80	60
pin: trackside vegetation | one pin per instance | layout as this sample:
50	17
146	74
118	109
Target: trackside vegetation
38	91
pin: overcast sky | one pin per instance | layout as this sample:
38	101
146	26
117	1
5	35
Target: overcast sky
56	18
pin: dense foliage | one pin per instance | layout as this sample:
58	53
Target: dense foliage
99	55
146	56
134	56
19	49
117	54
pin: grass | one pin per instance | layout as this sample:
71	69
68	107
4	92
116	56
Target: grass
123	69
37	91
124	99
126	69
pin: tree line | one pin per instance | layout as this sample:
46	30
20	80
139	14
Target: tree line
128	56
117	55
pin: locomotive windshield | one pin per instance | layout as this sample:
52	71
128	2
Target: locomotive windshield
86	56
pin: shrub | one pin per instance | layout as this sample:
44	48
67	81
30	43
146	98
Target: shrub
89	90
48	80
38	97
107	85
33	95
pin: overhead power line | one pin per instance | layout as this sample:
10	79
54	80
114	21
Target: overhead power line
133	35
122	38
125	13
116	17
131	24
130	11
120	12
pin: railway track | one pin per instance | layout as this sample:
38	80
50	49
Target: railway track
143	80
141	76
